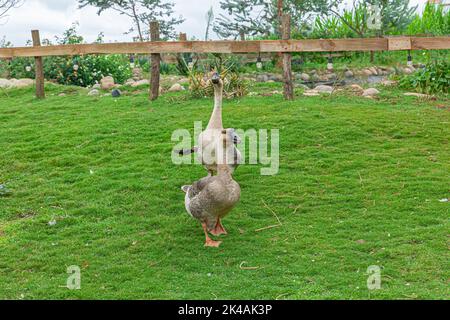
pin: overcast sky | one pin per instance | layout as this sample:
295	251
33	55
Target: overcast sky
52	17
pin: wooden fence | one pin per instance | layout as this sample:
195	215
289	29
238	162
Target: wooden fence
156	48
281	46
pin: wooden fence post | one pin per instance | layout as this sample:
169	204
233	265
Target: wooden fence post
287	60
8	68
39	66
156	62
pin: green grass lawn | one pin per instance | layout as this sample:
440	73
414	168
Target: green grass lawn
359	184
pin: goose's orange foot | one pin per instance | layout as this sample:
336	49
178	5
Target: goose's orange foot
212	243
218	229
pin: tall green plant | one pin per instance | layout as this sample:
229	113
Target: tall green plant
434	20
348	24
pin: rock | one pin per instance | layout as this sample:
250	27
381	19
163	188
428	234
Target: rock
140	83
270	81
4	191
367	72
305	77
276	77
137	74
371	92
5	83
116	93
21	83
391	70
315	77
262	78
374	71
302	86
418	95
107	83
176	88
183	81
348	74
388	83
331	77
62	94
311	93
324	89
356	88
407	70
129	82
97	86
93	92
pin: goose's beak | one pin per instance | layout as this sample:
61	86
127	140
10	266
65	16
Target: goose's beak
215	78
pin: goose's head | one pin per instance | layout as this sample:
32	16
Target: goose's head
216	80
230	137
234	136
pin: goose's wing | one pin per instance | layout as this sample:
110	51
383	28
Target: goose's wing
198	186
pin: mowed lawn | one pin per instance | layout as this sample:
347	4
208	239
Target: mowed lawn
359	185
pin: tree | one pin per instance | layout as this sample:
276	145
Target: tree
262	17
396	15
209	21
6	5
142	12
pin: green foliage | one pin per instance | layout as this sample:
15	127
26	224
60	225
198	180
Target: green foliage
234	85
76	70
260	17
433	21
183	60
91	69
395	14
434	78
141	12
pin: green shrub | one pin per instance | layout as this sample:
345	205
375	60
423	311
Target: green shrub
77	70
234	85
200	86
91	69
434	78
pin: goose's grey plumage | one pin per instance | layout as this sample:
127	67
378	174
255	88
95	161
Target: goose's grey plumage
212	198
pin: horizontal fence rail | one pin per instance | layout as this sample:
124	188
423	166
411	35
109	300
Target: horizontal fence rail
321	45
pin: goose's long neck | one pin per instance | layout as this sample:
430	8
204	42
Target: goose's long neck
216	118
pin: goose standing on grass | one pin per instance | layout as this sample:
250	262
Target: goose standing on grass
209	138
212	198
